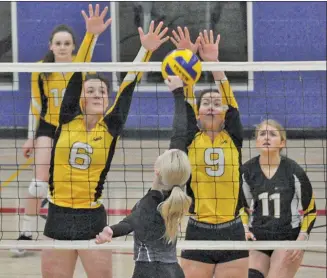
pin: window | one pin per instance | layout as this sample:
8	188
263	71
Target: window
230	19
7	47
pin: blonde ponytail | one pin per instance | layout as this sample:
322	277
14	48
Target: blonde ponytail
175	169
172	211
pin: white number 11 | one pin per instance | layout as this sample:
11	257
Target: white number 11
56	97
265	198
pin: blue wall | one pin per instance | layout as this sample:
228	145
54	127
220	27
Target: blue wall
289	31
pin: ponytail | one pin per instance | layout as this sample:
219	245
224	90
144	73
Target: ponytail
172	211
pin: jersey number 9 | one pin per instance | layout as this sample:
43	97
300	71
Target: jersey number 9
80	156
214	157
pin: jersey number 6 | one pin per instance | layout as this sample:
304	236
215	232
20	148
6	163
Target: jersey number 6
80	156
214	157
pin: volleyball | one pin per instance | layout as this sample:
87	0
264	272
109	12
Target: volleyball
183	63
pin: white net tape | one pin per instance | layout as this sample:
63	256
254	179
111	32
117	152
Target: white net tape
156	66
181	245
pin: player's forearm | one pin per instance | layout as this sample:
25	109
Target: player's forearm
308	222
121	229
219	76
71	101
142	56
179	136
86	49
33	123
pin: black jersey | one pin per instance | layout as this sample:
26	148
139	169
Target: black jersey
276	201
145	220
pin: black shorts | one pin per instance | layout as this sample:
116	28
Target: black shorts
157	270
74	224
45	129
263	234
232	230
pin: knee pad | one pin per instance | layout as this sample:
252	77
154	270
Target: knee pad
38	188
253	273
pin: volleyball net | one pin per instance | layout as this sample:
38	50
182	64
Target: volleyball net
293	93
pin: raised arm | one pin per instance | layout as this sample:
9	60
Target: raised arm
182	134
209	52
304	192
70	106
116	116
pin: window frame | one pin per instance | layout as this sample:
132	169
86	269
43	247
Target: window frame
4	86
151	87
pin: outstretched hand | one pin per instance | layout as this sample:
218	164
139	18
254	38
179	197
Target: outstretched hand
104	236
209	48
183	40
154	38
95	21
173	82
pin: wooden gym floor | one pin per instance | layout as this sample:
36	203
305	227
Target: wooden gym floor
125	185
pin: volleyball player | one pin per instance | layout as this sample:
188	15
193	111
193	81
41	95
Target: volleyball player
156	217
278	188
47	92
214	149
84	147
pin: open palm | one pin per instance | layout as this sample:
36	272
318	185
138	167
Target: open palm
183	40
154	38
95	21
208	48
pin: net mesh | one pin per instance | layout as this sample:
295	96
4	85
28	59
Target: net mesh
293	93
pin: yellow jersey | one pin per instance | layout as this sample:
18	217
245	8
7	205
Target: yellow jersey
215	183
48	91
81	159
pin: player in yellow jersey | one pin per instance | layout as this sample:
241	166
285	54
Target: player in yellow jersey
47	92
214	149
84	147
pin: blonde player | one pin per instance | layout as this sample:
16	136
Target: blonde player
47	92
155	219
214	149
84	147
278	188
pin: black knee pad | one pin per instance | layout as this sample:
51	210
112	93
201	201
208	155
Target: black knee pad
253	273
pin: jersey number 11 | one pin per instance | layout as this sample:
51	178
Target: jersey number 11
265	199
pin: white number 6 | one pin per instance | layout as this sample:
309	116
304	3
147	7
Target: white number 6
84	157
213	163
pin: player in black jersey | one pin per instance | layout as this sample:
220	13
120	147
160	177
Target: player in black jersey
155	218
276	188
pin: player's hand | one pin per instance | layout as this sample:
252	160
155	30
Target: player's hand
183	40
209	48
28	148
104	236
297	254
248	234
95	21
173	82
154	38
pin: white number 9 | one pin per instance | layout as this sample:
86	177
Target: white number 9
218	163
83	157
